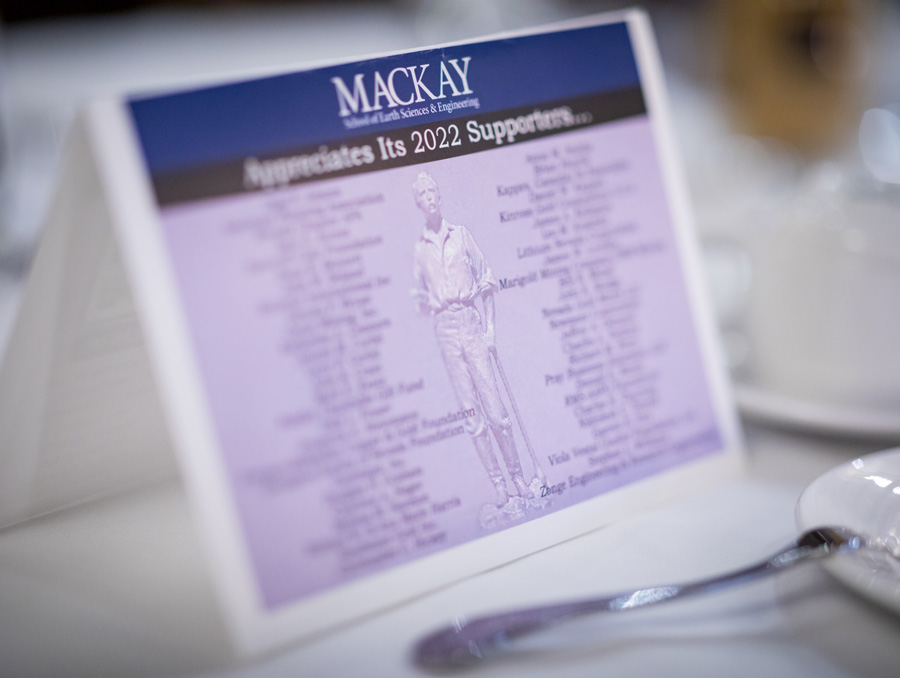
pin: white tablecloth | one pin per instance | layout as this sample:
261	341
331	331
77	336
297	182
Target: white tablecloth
117	588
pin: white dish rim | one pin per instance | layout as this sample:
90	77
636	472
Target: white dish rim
771	407
852	572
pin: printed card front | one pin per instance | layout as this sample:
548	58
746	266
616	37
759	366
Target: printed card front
433	297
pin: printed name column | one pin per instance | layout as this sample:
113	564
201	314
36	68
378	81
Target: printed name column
578	206
351	437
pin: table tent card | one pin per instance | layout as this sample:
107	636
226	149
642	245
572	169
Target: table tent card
401	320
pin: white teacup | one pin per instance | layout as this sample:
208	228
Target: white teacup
823	309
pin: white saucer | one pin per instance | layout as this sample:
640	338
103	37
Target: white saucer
863	495
826	418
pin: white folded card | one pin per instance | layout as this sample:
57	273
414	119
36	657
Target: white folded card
401	320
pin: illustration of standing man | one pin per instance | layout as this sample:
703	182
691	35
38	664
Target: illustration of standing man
450	274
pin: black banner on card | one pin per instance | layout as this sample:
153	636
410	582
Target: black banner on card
418	143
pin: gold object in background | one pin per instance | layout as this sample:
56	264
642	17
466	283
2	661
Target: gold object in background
793	69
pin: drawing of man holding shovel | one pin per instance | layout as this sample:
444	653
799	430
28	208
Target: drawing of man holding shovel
451	274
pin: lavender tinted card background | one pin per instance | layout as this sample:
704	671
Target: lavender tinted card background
338	426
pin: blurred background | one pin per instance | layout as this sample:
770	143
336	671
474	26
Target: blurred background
786	114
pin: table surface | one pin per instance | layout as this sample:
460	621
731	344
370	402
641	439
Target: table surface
118	587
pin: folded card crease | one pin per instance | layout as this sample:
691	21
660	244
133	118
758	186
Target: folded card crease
79	412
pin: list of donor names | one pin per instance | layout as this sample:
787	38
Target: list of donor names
581	229
355	432
350	427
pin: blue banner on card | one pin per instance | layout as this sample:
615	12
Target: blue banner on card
332	121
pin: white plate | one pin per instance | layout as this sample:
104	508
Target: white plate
863	495
825	418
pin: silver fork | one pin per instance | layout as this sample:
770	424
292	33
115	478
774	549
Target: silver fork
469	641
